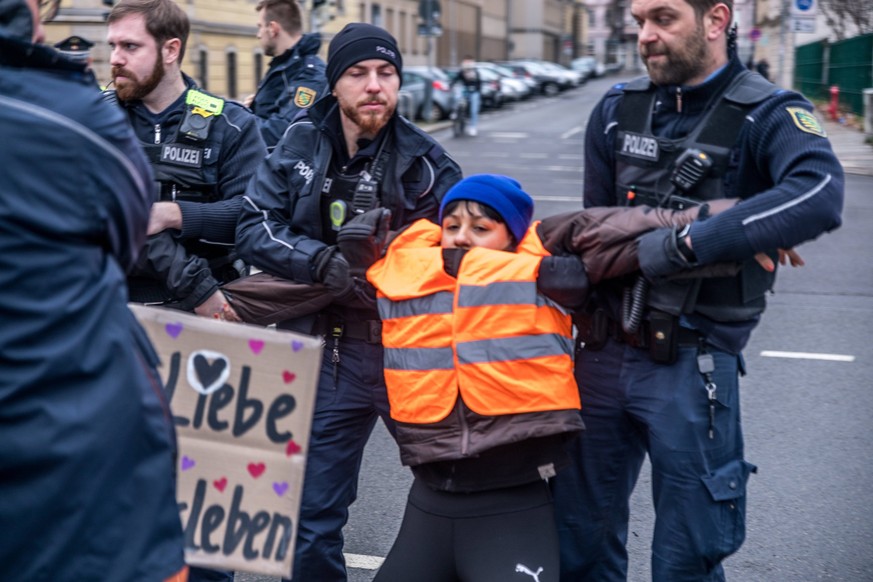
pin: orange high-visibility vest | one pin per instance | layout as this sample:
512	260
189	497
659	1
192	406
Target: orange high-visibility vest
488	335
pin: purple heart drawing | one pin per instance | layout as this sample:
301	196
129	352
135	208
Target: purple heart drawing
256	345
173	329
280	488
296	345
187	462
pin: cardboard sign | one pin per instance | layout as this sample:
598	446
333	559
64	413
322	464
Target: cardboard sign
242	399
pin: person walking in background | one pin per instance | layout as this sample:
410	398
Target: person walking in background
700	127
87	443
347	154
203	151
295	78
471	88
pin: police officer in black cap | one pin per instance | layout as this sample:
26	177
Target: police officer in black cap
349	153
75	48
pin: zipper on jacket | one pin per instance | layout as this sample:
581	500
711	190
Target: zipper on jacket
157	133
465	428
678	99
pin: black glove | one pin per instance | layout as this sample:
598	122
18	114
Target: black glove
362	239
563	280
452	261
332	270
660	255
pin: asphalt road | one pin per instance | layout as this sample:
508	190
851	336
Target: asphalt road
806	417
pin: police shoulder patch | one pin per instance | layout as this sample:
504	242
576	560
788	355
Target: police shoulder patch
304	97
806	121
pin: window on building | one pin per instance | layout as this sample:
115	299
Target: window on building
203	69
231	74
389	21
376	15
401	33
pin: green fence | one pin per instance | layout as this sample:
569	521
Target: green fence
848	64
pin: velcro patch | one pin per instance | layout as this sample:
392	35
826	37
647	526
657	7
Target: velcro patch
304	97
806	121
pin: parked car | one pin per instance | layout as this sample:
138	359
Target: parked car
432	80
588	66
548	82
512	88
492	98
568	78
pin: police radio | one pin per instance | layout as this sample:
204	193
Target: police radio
691	168
366	192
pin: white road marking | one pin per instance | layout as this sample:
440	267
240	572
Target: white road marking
558	199
508	134
572	131
363	562
808	356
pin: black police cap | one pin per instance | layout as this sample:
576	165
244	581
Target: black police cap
74	47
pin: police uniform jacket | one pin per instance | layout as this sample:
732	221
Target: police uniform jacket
86	438
294	81
781	166
282	225
174	268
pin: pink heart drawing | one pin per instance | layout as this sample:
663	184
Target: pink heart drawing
256	346
280	488
173	329
288	377
220	484
296	345
257	469
187	462
292	448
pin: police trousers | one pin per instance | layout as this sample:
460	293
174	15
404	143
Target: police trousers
633	406
351	396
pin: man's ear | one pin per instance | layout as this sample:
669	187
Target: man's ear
170	50
717	21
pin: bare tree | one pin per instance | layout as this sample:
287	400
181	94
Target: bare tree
848	17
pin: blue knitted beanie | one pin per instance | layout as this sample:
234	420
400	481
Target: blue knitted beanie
501	193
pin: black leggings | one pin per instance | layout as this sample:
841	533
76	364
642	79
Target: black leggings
503	535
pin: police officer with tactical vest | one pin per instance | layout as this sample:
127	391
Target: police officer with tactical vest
295	78
203	150
661	355
347	154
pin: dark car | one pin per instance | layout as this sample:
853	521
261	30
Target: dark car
421	79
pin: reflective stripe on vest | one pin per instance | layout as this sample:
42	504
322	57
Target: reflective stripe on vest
488	335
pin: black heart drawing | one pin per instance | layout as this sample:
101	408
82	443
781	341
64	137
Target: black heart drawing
208	372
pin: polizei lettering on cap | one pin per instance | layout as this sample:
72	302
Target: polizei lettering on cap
640	146
181	155
386	51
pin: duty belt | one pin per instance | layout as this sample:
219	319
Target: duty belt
642	337
369	330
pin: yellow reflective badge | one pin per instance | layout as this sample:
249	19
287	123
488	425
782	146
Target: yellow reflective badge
806	121
304	97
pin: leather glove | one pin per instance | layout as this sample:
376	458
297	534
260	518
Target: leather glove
563	280
362	239
452	261
659	253
332	270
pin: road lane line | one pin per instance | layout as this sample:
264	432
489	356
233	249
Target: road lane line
808	356
571	132
363	562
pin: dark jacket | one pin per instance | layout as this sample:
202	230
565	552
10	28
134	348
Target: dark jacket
87	488
281	225
786	173
294	81
185	267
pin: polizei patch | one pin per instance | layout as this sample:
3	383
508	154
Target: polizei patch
180	155
640	146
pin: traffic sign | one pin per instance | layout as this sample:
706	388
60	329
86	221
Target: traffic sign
805	25
755	34
805	8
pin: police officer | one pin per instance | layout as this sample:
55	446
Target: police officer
700	127
203	150
295	78
75	48
349	153
87	489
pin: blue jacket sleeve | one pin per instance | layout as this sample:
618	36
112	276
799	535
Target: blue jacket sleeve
790	181
599	188
301	93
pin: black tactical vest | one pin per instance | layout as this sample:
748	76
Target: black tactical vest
647	173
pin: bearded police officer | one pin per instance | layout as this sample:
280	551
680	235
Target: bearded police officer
203	150
700	127
295	78
349	153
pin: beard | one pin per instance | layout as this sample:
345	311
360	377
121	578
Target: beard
132	89
680	64
370	123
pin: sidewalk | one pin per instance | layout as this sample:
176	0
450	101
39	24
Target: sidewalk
850	147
